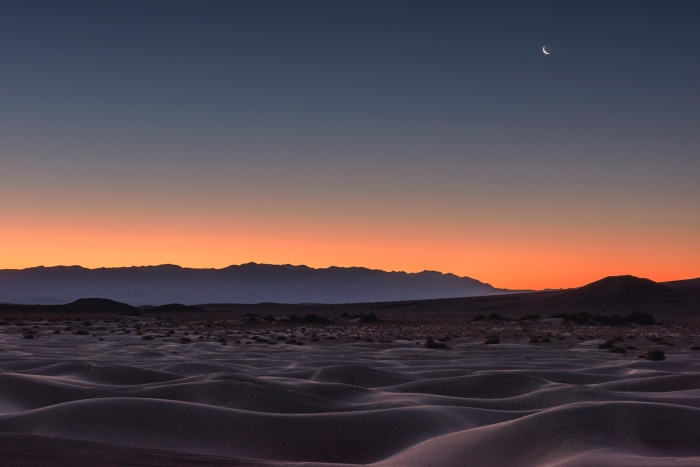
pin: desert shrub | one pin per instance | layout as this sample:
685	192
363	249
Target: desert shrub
655	354
431	344
478	318
493	340
530	317
617	350
608	344
314	318
607	320
644	318
577	318
496	317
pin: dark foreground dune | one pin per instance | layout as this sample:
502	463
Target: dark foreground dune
156	391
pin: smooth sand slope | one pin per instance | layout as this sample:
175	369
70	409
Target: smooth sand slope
247	395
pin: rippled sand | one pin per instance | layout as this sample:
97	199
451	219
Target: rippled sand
242	394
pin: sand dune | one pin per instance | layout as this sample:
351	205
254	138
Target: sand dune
567	434
68	399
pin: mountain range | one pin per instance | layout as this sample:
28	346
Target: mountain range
246	283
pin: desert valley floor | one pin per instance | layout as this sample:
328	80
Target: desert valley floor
239	390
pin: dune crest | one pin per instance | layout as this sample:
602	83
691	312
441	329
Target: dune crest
342	392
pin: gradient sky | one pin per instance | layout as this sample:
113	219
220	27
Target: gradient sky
395	135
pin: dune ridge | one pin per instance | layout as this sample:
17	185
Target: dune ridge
73	399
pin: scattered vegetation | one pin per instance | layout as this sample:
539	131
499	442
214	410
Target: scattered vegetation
364	318
251	317
491	317
644	318
608	344
658	340
654	354
493	340
312	318
431	344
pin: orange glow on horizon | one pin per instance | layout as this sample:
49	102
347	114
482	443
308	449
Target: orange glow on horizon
524	260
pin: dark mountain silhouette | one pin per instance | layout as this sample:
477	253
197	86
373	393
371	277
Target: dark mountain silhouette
81	306
615	291
688	287
247	283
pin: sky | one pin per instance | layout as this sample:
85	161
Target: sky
395	135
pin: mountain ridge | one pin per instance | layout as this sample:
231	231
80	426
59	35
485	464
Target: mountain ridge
244	283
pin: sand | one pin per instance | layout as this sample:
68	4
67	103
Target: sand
244	392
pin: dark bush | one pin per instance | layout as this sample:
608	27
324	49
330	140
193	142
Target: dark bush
608	320
645	319
655	354
431	344
493	340
368	318
530	317
478	318
577	318
315	319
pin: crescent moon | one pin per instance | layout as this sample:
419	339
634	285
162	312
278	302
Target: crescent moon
545	52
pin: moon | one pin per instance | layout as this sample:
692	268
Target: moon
545	52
